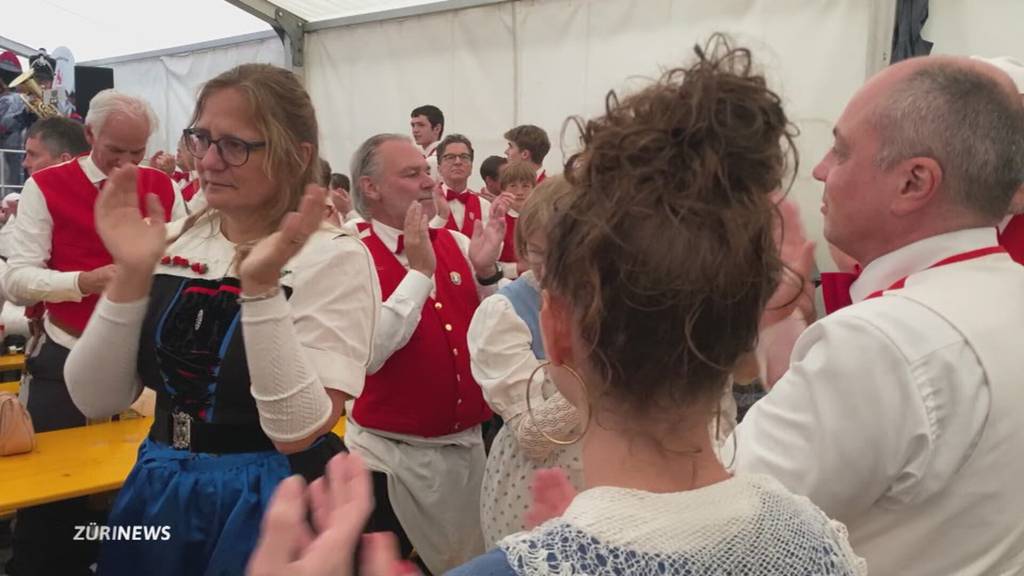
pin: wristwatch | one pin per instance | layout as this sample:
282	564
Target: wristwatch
491	280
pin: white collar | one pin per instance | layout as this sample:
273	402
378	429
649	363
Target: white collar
429	150
387	234
92	171
902	262
540	172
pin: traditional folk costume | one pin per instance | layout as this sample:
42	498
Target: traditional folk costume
54	239
417	423
743	525
466	209
209	467
900	414
505	347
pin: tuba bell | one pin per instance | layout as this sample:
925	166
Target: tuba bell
32	94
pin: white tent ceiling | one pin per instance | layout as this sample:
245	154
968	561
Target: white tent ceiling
103	29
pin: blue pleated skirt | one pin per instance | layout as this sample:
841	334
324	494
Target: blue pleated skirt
211	505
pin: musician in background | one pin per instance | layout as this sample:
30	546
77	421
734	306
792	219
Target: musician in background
14	118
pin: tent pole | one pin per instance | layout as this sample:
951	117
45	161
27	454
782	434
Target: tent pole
289	27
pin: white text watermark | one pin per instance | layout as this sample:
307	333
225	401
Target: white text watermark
96	533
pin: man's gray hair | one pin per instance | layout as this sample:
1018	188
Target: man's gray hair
109	101
366	162
964	120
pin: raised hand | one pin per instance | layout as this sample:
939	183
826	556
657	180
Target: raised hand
342	201
797	253
135	242
163	161
441	202
340	504
509	200
552	493
485	245
416	236
261	268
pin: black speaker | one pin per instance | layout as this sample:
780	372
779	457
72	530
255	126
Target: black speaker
89	81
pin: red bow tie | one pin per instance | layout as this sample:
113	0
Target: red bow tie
178	176
460	196
835	289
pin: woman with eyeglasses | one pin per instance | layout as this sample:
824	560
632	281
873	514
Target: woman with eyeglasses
253	326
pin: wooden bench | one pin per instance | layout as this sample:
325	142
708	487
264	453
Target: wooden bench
76	462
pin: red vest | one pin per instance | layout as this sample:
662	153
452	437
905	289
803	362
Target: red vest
426	388
542	176
190	190
472	214
76	246
508	249
1012	238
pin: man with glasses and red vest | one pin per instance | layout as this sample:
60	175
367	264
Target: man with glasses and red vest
57	257
417	422
899	414
455	162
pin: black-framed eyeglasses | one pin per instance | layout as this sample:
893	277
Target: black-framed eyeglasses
234	151
452	157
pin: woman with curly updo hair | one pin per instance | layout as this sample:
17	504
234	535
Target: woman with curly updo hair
659	267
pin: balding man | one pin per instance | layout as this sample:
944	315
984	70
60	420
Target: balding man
57	257
900	413
417	422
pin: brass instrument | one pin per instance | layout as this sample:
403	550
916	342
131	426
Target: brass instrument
33	96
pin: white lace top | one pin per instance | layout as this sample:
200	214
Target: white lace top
748	525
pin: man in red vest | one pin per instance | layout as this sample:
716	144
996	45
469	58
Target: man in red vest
57	257
530	144
417	422
455	162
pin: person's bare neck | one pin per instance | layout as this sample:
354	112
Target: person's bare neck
921	228
615	455
457	185
241	228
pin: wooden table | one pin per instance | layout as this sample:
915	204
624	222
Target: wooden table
11	387
12	362
70	463
76	462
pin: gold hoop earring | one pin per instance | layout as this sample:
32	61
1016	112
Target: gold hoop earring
533	421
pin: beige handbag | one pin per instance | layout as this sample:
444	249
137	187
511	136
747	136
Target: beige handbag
16	433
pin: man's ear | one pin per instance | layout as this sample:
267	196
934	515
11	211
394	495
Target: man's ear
919	182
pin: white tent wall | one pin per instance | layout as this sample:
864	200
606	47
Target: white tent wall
539	61
980	27
171	82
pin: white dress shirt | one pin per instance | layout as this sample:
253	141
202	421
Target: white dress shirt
501	355
400	314
28	279
882	406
